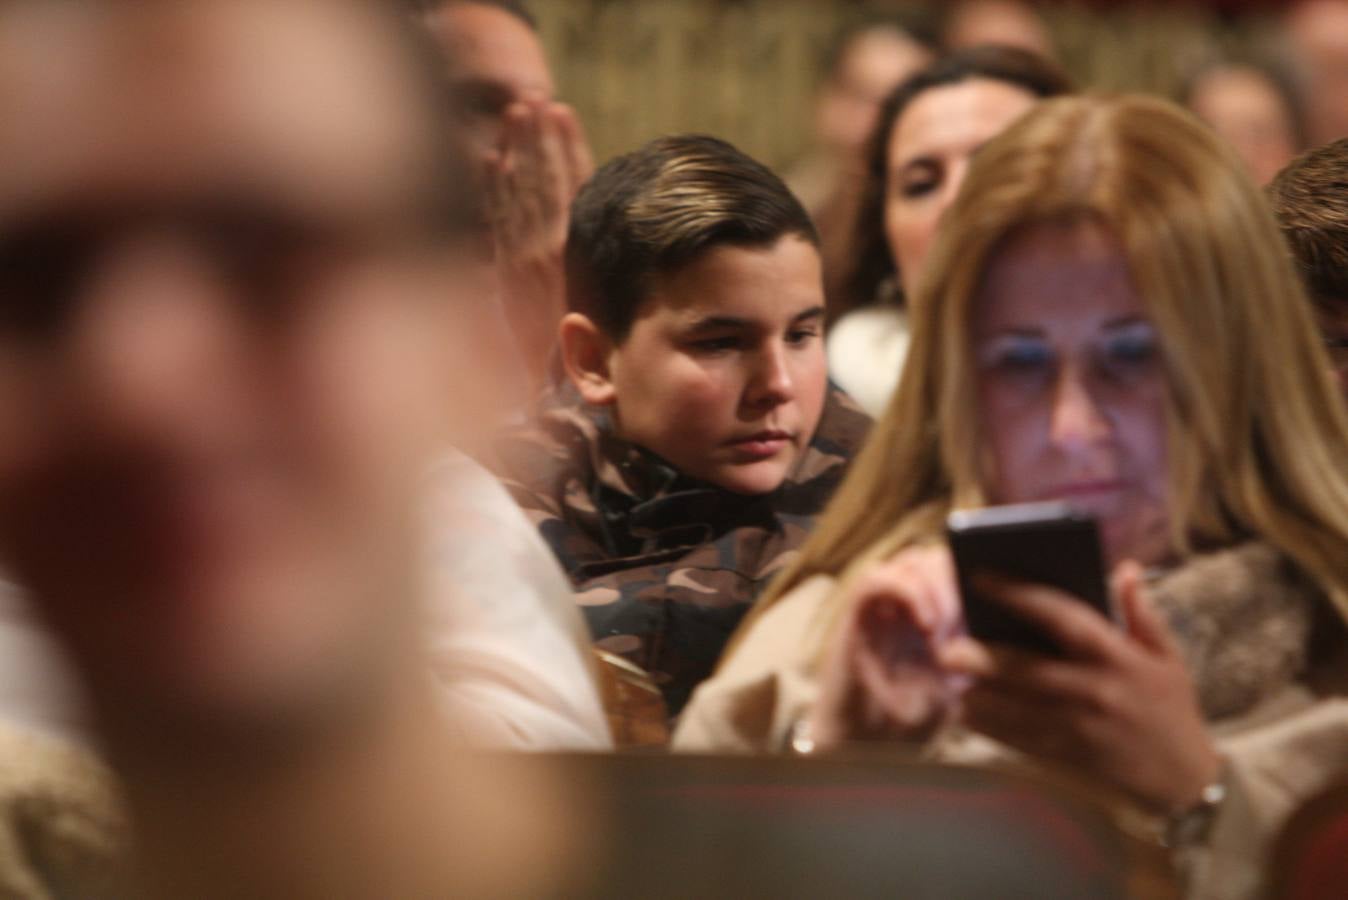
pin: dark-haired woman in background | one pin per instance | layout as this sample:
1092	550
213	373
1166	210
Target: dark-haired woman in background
928	129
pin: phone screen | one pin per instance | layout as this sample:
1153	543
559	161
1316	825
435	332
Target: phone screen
1043	543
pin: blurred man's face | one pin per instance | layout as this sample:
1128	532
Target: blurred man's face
496	59
218	326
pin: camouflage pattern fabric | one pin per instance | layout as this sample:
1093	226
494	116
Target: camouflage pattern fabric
664	566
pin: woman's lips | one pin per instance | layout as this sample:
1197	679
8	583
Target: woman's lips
1086	489
764	445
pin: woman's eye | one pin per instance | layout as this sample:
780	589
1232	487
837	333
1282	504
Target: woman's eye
917	180
1131	352
917	188
1022	358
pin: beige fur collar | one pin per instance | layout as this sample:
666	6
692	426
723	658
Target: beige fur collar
1244	618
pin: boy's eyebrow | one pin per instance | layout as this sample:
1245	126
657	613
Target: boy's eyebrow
717	323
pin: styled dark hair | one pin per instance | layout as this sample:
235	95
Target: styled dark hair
875	264
655	210
1310	201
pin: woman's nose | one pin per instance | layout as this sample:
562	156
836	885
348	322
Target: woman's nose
1076	420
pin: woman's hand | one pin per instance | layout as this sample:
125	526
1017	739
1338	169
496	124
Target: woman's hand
880	678
1120	705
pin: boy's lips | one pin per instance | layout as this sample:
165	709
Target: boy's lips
763	444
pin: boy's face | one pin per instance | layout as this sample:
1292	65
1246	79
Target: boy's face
723	373
219	371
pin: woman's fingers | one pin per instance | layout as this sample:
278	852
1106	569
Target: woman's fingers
1077	628
1143	621
1031	675
1025	723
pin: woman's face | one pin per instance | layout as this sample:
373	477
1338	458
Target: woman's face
929	151
1071	387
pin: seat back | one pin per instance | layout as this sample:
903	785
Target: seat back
1310	860
718	827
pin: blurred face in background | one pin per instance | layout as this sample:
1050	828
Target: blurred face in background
930	147
874	62
1009	23
219	374
1318	32
495	59
1071	386
1246	108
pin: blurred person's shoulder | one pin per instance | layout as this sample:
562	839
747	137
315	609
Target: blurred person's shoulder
551	448
62	828
38	690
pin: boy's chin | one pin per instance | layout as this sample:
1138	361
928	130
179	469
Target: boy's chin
751	478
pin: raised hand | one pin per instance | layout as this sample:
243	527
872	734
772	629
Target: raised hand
530	181
881	678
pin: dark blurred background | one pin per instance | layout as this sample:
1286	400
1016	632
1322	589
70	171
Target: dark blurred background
748	70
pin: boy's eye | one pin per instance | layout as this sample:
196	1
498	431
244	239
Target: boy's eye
801	335
716	344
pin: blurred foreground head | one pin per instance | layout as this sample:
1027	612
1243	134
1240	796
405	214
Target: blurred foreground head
225	230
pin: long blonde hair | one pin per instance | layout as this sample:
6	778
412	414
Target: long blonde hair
1258	436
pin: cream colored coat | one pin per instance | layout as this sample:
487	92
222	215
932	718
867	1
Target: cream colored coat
1277	706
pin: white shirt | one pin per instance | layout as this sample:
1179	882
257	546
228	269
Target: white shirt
510	653
866	352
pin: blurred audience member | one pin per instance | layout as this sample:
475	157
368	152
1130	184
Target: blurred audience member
1255	108
228	243
1310	201
929	129
1318	32
1005	23
62	831
687	455
864	65
1108	321
533	157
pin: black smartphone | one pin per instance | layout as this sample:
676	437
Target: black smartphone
1044	543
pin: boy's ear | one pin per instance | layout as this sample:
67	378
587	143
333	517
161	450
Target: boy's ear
585	357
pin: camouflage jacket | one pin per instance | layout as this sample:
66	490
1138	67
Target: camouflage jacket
664	566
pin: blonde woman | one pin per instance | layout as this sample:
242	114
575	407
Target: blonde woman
1107	319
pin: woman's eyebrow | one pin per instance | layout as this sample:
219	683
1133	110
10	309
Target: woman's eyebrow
1127	321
